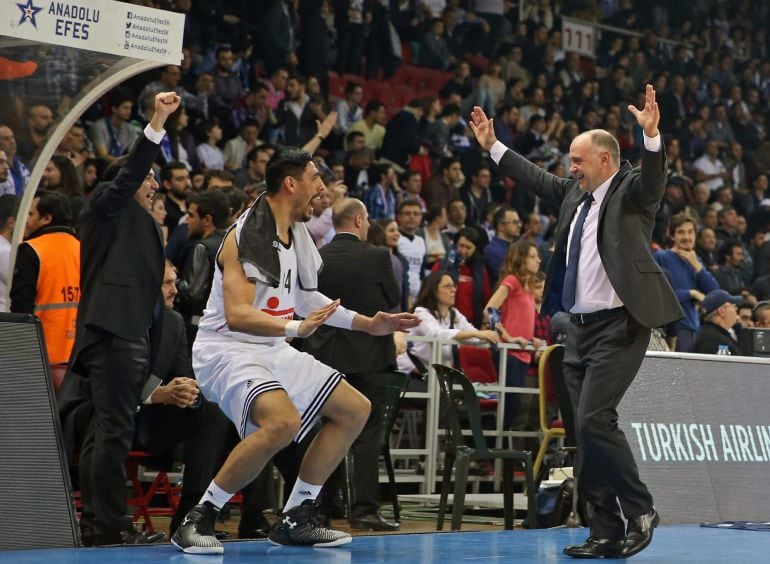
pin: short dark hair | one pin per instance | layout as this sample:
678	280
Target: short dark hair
249	123
120	96
212	203
289	161
678	220
726	250
56	205
9	207
352	135
373	106
450	110
225	175
446	162
351	86
408	203
499	216
434	211
168	169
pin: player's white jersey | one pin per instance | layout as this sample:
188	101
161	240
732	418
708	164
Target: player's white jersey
276	301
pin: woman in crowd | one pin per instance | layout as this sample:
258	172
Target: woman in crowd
515	298
389	239
159	213
470	272
436	243
439	318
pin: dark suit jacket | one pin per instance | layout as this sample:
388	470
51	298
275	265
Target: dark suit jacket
626	219
361	276
121	254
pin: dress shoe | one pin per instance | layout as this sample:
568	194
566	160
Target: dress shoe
639	532
596	548
259	529
373	522
129	536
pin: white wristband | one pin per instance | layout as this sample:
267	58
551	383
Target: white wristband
291	329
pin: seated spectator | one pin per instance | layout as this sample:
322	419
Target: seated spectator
176	185
434	52
439	319
688	277
209	153
402	134
239	146
17	176
727	223
477	196
159	213
411	183
761	315
728	274
436	241
61	176
297	113
320	224
381	199
469	271
410	245
720	314
372	125
384	233
30	140
349	110
113	135
709	168
706	247
507	228
253	174
443	187
9	207
437	135
179	143
456	215
745	317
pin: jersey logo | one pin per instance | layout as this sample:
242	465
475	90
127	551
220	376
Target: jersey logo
273	303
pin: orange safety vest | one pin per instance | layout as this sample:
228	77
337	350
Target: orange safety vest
58	292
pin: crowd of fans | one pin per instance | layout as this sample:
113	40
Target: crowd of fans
257	75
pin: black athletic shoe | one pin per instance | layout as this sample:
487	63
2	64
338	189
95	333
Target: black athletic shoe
298	527
195	534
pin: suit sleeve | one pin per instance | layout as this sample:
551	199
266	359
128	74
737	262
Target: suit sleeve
648	188
390	287
116	195
533	178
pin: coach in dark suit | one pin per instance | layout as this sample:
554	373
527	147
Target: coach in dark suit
360	275
616	293
121	272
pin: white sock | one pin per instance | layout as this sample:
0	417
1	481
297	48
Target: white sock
216	495
301	492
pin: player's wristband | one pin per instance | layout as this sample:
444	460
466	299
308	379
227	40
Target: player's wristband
291	329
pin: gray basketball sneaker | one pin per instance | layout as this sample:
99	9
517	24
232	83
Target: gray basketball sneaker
196	533
298	527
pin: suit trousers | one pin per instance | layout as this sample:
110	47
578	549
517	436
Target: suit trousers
600	363
365	450
114	371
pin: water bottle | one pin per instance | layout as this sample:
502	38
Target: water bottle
494	317
724	350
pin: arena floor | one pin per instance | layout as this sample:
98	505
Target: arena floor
673	543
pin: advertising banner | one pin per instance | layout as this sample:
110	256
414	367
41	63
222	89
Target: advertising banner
97	25
700	431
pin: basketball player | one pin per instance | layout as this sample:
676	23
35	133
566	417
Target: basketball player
266	271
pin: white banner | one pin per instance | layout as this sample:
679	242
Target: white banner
578	37
97	25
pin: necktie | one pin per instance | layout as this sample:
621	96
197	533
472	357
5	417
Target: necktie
573	255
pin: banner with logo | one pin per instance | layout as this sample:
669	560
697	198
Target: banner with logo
700	432
97	25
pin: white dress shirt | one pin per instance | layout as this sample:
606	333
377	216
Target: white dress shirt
594	291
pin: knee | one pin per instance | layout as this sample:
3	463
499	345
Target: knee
281	431
592	426
358	413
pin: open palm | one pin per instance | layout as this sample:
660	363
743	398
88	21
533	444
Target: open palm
648	117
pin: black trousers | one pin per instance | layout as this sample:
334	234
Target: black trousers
114	371
600	362
365	450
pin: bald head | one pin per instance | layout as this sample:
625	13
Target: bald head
594	157
350	215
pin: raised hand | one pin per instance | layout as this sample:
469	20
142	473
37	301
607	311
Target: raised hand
649	117
166	104
316	319
483	128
